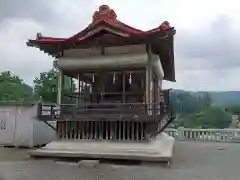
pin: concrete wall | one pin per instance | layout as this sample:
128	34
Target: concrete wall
22	128
7	126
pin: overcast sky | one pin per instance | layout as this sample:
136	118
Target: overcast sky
206	43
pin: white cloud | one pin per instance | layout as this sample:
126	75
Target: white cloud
194	22
16	56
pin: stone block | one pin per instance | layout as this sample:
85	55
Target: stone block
88	163
158	150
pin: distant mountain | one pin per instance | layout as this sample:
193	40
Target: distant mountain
221	98
225	97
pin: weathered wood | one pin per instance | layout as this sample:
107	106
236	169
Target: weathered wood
128	131
114	108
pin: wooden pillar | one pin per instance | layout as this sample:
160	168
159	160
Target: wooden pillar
149	81
60	86
160	81
155	94
151	91
158	95
71	85
102	85
147	84
79	90
124	87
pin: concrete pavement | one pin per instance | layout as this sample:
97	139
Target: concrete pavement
192	160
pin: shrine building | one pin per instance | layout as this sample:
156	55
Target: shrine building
119	72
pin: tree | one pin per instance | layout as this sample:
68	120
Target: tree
234	109
45	86
204	100
196	111
184	103
210	117
13	88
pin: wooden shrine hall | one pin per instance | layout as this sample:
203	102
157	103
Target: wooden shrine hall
116	74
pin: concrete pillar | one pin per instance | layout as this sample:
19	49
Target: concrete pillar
60	85
180	131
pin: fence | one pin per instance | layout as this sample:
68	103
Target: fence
218	135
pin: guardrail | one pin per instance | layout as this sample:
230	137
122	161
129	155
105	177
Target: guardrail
217	135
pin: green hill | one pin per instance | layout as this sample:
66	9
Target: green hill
225	97
221	98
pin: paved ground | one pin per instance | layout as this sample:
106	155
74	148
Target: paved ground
192	160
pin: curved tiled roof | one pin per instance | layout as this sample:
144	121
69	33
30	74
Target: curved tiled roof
104	21
105	18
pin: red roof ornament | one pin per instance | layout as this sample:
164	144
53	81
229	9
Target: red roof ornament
39	36
104	13
165	26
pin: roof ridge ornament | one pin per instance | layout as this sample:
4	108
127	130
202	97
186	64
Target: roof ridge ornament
39	36
164	26
104	13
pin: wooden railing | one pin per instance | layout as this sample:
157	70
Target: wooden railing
98	116
48	112
98	110
218	135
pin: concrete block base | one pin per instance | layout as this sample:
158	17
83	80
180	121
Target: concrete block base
88	163
158	150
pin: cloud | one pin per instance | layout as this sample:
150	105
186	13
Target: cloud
206	43
215	47
38	10
208	58
16	56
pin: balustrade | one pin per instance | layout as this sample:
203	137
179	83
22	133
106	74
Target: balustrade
218	135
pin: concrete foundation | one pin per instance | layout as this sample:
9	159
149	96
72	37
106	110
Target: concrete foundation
158	150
